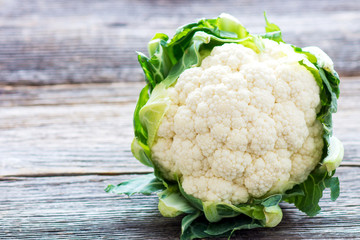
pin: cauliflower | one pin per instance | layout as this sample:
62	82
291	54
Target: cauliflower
233	124
241	124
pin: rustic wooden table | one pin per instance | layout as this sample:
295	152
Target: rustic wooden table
68	85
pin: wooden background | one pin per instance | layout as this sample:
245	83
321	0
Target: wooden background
68	85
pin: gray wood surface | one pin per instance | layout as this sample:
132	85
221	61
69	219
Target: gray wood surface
61	145
69	80
77	208
65	41
85	129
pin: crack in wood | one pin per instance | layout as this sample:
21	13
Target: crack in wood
115	173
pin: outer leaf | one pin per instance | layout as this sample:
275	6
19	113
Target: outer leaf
197	226
270	27
228	23
156	42
158	65
141	152
323	60
146	185
315	72
229	225
333	183
189	59
334	156
311	57
272	211
151	114
214	212
273	32
139	131
172	203
293	193
148	70
271	201
187	220
273	215
313	188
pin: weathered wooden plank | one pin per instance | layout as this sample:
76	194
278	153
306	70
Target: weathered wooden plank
84	129
77	208
116	93
72	94
67	41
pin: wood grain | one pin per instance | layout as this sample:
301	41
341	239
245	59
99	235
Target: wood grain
87	129
78	208
64	41
62	141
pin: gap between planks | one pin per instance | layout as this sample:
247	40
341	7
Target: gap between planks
114	173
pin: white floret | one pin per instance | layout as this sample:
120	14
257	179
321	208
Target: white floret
290	125
241	125
188	157
229	164
162	156
183	123
262	134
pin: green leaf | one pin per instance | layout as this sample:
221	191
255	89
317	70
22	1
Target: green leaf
265	213
334	156
139	131
311	57
323	60
270	27
146	185
313	188
186	222
329	86
293	193
148	69
266	210
151	114
228	23
334	185
333	93
215	211
172	203
195	225
154	46
315	72
229	225
272	200
272	212
191	58
141	152
273	216
273	32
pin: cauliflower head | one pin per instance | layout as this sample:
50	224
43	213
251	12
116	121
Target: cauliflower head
242	124
232	124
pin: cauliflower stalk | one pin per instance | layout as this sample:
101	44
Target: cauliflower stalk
233	124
